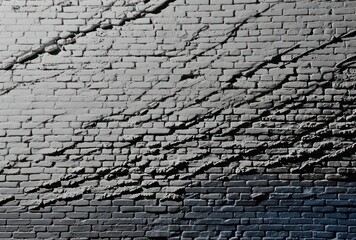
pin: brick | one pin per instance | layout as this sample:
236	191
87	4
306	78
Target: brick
197	1
24	235
131	209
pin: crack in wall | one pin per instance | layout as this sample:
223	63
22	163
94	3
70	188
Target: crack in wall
184	77
213	163
351	148
176	168
257	149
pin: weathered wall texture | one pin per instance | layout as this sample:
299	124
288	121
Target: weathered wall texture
177	119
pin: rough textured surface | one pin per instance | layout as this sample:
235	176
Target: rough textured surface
177	119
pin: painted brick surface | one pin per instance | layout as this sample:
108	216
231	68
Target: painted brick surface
177	119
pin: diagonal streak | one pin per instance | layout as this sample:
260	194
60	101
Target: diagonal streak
71	37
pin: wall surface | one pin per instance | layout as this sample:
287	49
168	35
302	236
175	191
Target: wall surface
177	119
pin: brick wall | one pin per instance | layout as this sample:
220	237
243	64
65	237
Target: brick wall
177	119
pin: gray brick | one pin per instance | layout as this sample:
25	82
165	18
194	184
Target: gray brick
25	235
